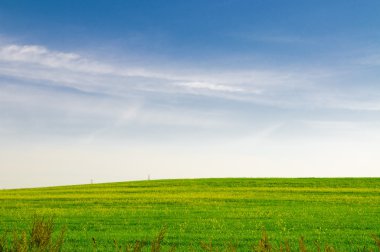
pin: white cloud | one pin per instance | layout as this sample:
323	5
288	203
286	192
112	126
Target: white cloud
41	56
71	69
302	88
210	86
36	54
66	98
29	113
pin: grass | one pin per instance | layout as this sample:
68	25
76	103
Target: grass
201	213
40	239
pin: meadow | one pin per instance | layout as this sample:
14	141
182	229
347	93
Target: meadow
341	212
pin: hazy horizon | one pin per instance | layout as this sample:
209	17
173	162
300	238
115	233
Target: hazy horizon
119	90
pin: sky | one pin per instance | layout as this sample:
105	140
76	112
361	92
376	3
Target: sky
115	90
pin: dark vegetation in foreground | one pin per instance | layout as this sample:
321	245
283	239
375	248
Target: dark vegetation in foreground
41	238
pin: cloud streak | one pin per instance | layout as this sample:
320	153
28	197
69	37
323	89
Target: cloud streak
72	70
93	97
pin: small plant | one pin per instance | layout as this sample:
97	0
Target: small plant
302	245
329	248
285	247
156	243
3	242
20	244
40	238
207	246
377	241
139	245
263	245
136	247
94	248
231	248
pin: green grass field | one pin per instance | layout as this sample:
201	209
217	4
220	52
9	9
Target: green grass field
341	212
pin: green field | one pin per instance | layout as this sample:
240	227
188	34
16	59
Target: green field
341	212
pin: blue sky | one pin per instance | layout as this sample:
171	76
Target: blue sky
117	90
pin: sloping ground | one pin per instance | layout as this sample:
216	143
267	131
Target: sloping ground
342	212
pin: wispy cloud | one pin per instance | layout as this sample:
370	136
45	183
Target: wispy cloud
210	86
37	55
41	66
88	75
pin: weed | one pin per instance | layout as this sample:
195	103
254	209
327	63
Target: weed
285	247
207	246
156	243
302	245
263	245
377	241
40	238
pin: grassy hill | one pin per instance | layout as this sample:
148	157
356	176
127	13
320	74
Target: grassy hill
342	212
